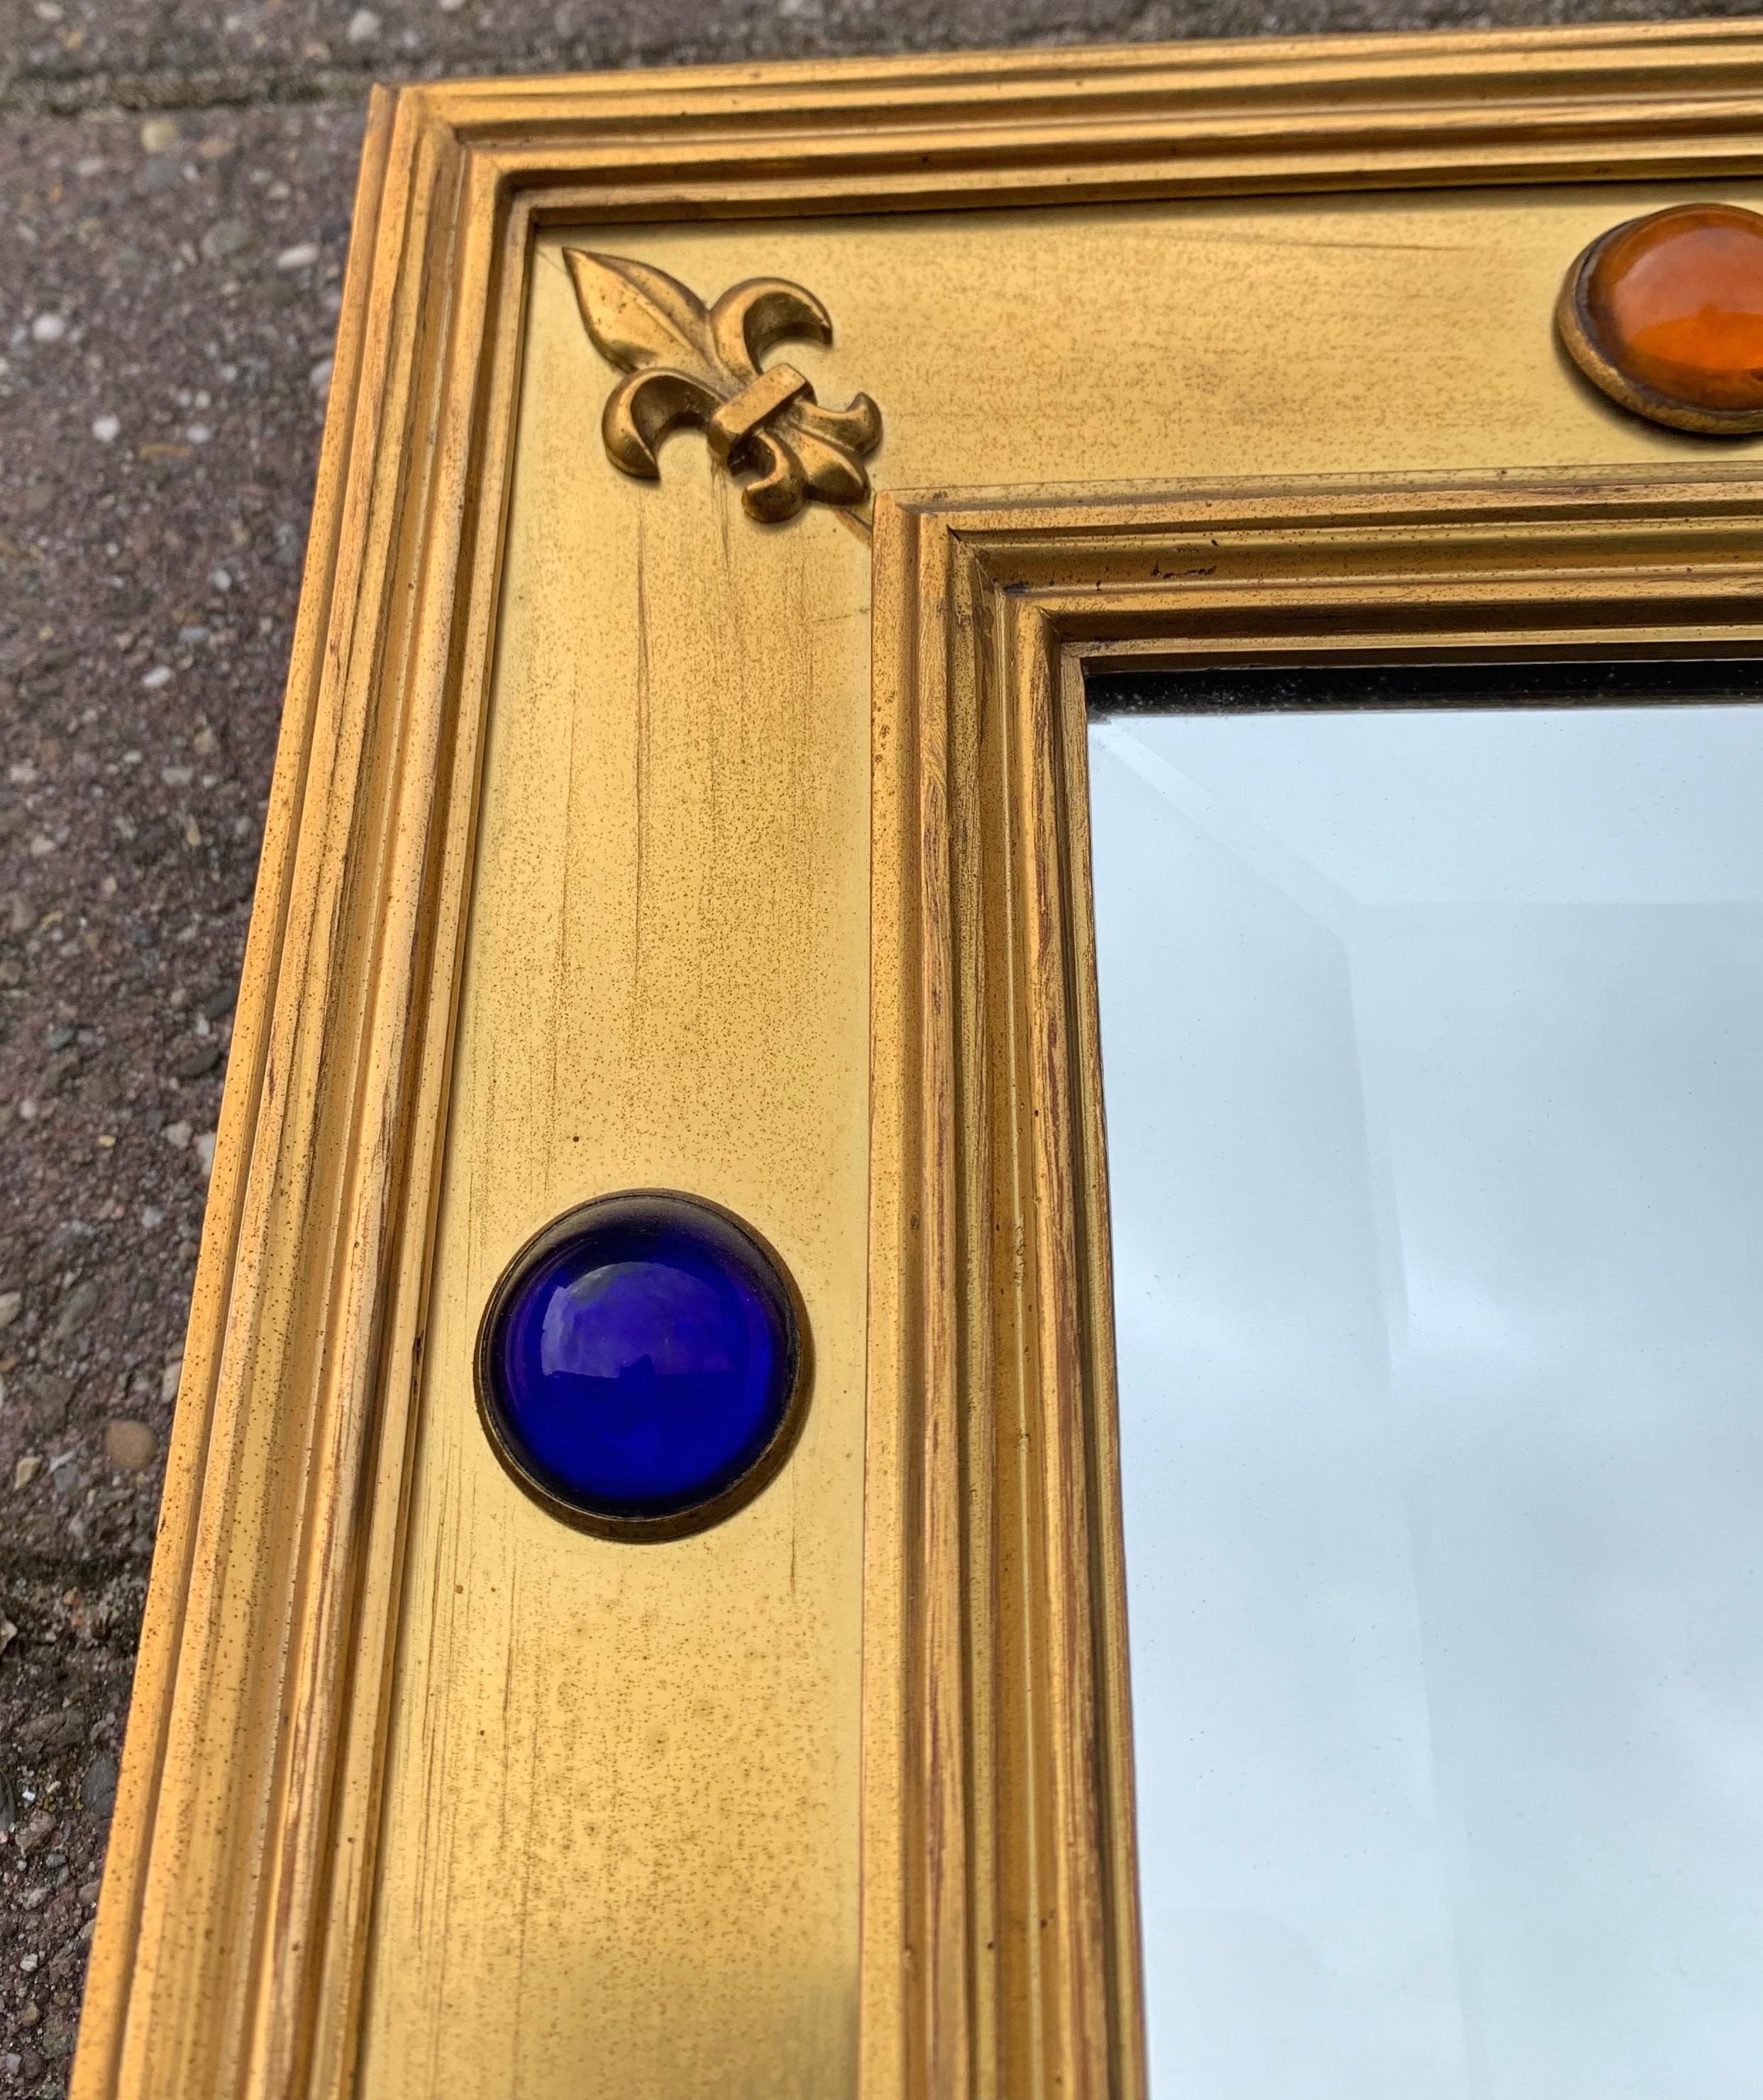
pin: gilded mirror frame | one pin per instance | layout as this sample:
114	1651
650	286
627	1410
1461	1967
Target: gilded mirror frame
992	1937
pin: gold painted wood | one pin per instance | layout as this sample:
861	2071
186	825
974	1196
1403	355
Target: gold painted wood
567	887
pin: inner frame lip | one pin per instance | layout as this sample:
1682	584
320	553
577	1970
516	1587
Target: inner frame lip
605	1209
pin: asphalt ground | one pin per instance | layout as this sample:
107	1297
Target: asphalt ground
174	194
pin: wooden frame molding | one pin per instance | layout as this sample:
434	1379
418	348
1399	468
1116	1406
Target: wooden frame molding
232	1937
998	1831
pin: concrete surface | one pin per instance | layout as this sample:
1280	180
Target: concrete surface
174	188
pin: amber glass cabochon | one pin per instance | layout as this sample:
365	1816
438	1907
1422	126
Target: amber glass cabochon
1672	304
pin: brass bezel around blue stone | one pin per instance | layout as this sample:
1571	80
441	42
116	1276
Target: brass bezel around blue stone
641	1366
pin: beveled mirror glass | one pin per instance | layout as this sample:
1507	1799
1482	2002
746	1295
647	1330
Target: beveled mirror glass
1430	1036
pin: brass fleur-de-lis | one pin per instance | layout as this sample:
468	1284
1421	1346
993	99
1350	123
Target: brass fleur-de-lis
690	364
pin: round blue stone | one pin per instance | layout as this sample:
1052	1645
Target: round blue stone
639	1359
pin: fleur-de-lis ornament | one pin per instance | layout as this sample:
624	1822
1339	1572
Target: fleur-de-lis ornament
691	363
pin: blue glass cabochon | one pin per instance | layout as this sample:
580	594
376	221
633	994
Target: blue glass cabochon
642	1359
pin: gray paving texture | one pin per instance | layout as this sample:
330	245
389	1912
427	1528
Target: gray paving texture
175	194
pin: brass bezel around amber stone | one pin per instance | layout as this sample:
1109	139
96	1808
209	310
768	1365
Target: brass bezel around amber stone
1587	343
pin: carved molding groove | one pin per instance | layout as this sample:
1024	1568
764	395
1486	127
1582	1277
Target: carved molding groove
690	364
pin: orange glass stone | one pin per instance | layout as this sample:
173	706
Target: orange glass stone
1674	302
